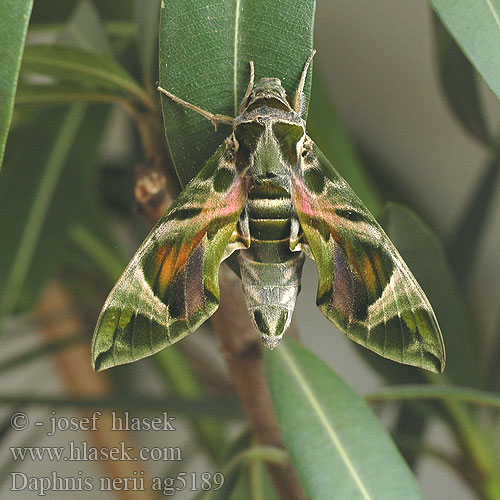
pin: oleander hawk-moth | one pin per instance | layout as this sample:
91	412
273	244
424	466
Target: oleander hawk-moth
270	194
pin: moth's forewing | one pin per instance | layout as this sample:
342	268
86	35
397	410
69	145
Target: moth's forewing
171	285
365	288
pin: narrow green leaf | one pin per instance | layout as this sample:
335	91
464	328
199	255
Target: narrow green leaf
410	425
475	25
147	15
254	482
459	84
325	127
205	50
85	69
442	392
465	243
55	11
426	257
493	371
53	95
85	30
106	259
119	33
245	476
214	407
42	195
336	443
14	15
41	351
16	271
178	374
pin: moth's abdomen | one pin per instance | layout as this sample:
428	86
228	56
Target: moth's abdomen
270	271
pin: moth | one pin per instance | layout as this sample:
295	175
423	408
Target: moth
271	195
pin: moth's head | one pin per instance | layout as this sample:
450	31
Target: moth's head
268	92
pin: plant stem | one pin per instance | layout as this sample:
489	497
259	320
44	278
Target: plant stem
243	355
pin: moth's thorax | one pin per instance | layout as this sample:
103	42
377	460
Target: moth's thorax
269	134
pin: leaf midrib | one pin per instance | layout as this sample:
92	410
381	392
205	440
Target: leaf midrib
235	54
494	12
315	404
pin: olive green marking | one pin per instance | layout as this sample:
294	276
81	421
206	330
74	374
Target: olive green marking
260	322
269	190
282	321
186	213
315	180
223	180
268	251
270	229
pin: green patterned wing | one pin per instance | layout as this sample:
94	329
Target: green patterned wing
365	288
171	285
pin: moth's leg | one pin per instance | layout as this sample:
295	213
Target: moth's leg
249	88
240	239
298	100
215	119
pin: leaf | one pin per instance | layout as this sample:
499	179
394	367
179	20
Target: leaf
253	482
213	407
336	443
147	15
444	393
55	95
42	195
476	28
410	425
85	69
245	474
28	204
325	127
426	257
465	243
38	352
55	11
205	50
493	370
459	84
179	376
235	479
15	15
85	30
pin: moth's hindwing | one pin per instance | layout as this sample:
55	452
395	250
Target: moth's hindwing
365	287
171	285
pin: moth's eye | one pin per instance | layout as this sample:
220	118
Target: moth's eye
350	214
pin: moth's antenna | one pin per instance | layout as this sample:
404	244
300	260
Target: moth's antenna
215	119
298	100
249	88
